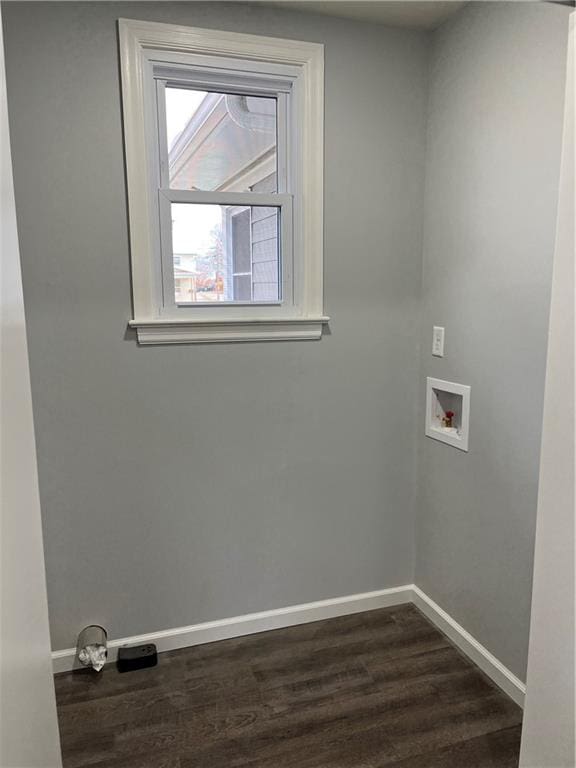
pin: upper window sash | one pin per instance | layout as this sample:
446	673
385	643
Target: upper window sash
245	86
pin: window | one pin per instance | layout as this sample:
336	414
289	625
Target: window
224	153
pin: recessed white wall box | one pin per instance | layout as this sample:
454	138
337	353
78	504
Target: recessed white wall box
448	412
438	341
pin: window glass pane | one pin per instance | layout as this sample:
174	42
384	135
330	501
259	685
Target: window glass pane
224	253
221	141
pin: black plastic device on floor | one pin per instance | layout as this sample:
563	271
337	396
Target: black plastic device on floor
137	657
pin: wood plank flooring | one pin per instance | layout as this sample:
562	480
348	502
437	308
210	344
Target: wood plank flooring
383	688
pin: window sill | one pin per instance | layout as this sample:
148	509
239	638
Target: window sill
157	331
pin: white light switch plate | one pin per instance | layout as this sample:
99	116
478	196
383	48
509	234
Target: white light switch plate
438	341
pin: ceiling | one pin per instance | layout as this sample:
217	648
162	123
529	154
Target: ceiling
399	13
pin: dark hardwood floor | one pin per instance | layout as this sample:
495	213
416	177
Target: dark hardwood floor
383	688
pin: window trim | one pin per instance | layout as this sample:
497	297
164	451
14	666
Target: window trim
304	317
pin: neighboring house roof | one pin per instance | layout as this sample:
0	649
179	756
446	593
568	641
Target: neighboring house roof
182	272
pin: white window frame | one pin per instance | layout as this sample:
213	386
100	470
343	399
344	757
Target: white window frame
273	66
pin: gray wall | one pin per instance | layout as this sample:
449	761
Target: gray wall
184	484
493	158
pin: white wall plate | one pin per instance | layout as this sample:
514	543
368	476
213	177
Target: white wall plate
438	341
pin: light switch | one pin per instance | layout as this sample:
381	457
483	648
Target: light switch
438	341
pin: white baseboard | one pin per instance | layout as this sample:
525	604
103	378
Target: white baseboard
249	624
252	623
476	652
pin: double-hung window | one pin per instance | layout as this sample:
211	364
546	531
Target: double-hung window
224	152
